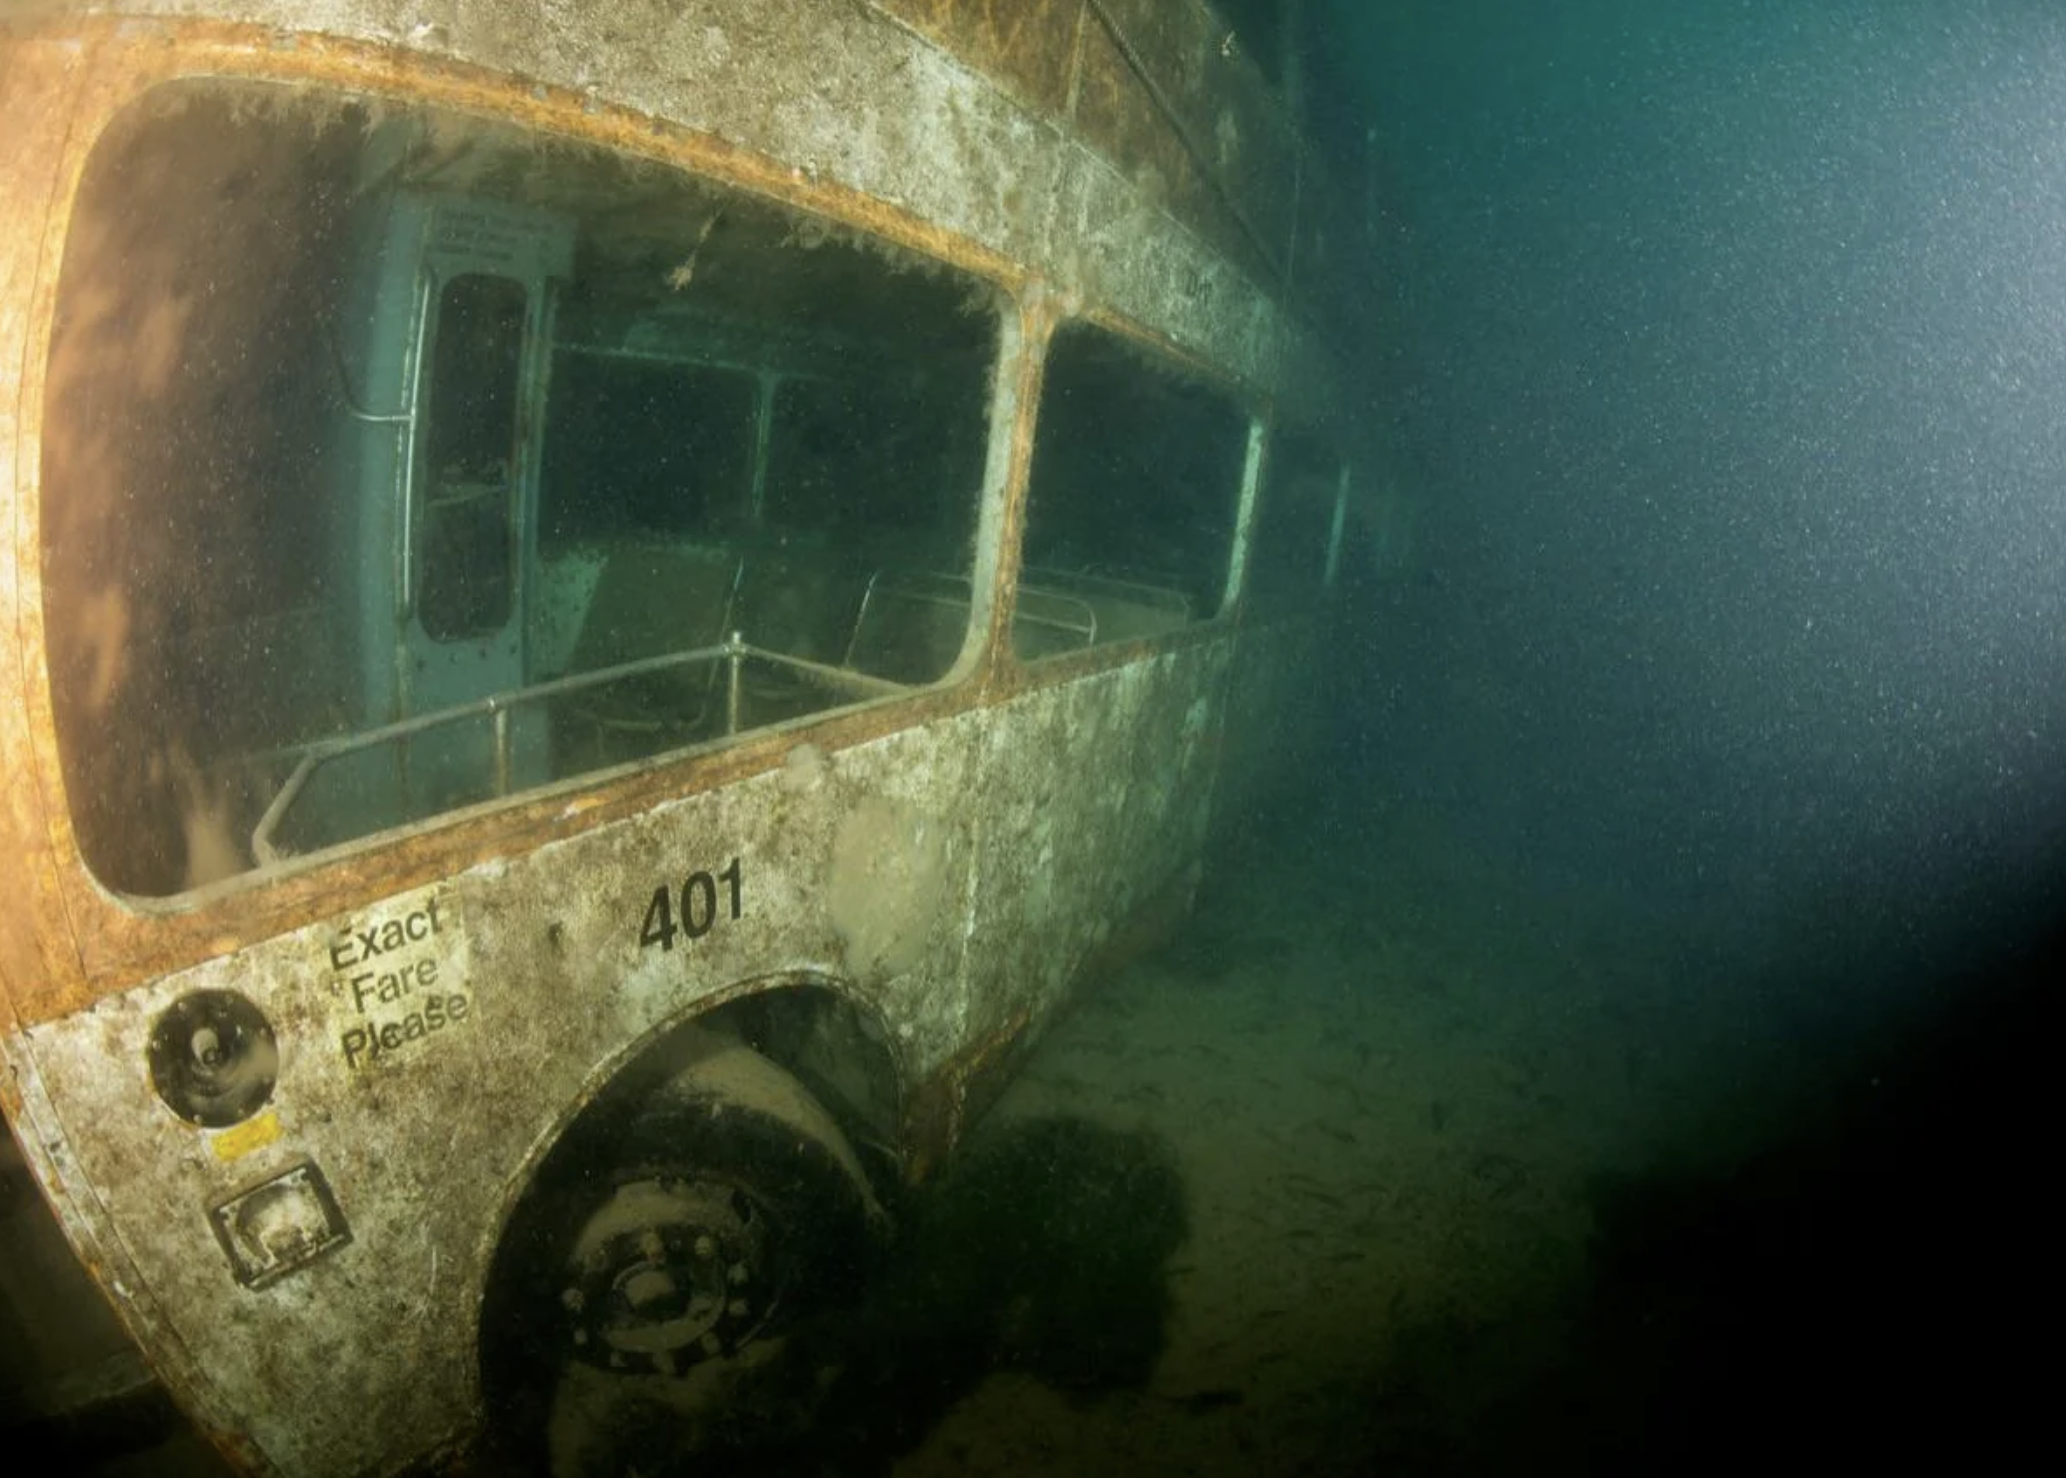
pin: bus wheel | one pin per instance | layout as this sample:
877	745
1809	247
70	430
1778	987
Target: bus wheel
685	1219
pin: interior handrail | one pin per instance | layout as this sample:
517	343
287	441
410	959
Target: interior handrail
1140	592
1085	624
496	707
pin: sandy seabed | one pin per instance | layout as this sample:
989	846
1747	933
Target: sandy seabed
1393	1091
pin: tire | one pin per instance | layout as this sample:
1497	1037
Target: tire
683	1222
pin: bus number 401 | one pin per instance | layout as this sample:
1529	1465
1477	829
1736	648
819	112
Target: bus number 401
691	911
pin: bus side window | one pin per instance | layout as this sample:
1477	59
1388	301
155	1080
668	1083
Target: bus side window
658	464
1135	486
1294	525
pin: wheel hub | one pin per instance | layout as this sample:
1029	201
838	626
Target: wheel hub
666	1273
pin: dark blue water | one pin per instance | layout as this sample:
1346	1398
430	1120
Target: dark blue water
1725	350
1727	357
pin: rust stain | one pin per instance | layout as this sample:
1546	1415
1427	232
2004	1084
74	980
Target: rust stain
1118	116
41	83
1023	44
1036	320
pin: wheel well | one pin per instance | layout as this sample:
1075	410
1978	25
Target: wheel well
810	1028
836	1049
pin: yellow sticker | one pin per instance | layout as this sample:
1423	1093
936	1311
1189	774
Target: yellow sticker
252	1134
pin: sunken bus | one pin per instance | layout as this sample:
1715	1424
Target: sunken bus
608	608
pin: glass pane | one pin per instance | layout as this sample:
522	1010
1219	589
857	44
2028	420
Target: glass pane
651	413
1136	481
861	462
469	505
636	449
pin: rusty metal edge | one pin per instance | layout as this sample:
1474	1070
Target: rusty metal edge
943	1107
40	1134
